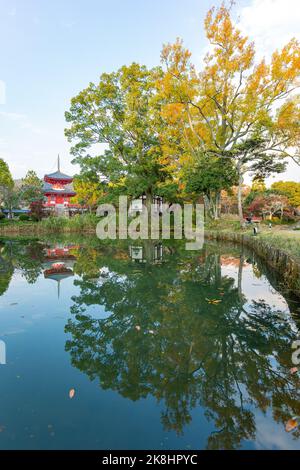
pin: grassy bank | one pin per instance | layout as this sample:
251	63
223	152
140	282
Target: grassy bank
80	223
289	242
280	237
279	247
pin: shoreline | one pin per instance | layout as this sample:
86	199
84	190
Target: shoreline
283	261
275	257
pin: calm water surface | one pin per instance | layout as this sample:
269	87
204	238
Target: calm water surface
164	348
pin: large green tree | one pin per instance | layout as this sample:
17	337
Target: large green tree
121	112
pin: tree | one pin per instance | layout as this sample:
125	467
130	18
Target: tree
37	209
31	179
31	188
269	205
11	198
209	177
258	185
229	199
88	193
234	107
291	189
7	192
119	111
5	175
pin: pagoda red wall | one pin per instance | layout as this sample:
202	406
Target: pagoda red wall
58	199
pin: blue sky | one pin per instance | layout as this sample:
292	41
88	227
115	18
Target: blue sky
50	50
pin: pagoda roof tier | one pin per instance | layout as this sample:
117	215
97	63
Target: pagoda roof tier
66	190
58	176
56	275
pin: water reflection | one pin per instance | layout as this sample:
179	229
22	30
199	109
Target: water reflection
148	252
59	263
164	338
178	328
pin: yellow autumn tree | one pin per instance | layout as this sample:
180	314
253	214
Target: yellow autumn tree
234	107
88	193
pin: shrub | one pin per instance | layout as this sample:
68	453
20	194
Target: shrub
81	222
54	224
36	210
24	217
2	216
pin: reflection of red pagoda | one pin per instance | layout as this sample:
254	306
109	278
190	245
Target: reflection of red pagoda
64	252
59	264
58	190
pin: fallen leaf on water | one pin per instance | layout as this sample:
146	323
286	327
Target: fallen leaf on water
72	393
291	424
213	301
294	370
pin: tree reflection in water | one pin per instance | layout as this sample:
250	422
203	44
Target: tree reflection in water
163	337
231	358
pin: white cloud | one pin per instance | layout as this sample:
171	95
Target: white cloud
270	23
22	119
13	116
271	436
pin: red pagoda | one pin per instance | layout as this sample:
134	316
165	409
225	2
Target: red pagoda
58	190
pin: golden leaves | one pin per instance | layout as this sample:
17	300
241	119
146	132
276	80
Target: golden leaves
292	424
285	66
213	301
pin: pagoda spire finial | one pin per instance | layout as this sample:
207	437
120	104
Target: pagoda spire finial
58	163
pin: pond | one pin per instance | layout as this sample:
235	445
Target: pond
144	346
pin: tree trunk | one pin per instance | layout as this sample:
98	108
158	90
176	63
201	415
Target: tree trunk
240	276
218	205
212	205
240	194
148	204
207	206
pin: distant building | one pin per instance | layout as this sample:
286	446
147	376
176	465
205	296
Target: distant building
58	191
